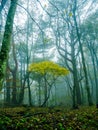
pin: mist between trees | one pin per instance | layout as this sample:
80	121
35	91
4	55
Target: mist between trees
61	34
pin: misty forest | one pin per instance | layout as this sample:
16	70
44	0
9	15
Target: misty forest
49	64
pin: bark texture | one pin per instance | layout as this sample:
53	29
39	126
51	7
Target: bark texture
5	48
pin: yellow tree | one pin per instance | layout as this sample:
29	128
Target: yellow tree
49	72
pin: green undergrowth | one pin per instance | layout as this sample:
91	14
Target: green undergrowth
27	118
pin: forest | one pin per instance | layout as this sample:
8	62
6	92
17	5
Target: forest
49	64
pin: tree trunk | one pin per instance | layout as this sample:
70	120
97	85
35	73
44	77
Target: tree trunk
22	89
5	48
46	93
29	90
39	91
82	55
3	3
76	92
22	82
96	78
14	89
14	76
8	90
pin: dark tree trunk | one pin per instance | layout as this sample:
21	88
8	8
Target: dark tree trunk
14	89
29	91
21	94
5	48
39	87
96	78
14	76
8	89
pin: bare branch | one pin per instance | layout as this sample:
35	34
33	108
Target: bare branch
31	17
45	10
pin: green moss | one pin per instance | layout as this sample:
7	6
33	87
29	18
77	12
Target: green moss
43	119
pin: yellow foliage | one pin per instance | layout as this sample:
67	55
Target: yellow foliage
70	14
47	67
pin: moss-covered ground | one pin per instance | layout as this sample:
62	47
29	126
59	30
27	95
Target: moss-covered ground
27	118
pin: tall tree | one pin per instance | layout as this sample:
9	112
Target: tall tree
74	11
14	75
90	37
5	48
49	72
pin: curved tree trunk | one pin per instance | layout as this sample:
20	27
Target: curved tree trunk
5	48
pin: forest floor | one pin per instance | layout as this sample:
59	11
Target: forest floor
27	118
